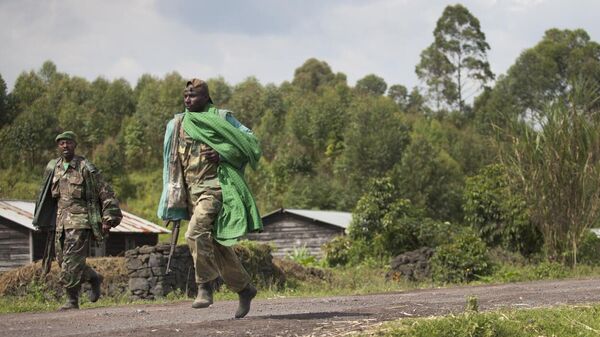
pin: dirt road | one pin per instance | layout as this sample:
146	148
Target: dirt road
331	316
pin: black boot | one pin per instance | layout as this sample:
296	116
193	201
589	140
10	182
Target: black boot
245	297
205	296
72	299
95	281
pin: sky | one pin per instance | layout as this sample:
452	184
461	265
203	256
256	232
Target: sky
267	39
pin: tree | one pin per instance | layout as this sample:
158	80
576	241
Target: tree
399	94
220	91
5	116
28	87
430	179
374	140
372	85
48	72
437	71
455	66
247	102
313	74
416	102
540	75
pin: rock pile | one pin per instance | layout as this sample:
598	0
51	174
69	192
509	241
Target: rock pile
411	266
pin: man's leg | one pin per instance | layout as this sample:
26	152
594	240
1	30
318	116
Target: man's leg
74	252
235	277
200	240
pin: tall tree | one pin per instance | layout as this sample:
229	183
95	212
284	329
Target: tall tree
312	74
220	91
374	141
4	113
247	102
399	94
456	63
372	85
436	70
541	74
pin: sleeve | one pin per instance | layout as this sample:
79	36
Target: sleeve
111	212
233	121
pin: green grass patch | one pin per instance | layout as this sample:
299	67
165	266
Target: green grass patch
560	321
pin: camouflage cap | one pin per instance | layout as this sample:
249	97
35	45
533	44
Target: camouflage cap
66	135
198	84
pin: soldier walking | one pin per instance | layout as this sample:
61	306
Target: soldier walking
206	150
75	204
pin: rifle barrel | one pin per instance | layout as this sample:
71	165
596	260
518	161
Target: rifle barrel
174	237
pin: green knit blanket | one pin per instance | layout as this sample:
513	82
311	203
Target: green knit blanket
236	148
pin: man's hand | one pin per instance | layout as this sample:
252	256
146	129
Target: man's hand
211	155
106	228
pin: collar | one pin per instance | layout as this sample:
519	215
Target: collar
74	163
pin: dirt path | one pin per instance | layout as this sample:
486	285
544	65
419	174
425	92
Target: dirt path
330	316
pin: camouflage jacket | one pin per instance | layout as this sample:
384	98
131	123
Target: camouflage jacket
76	197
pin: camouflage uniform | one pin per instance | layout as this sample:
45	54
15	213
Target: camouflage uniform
73	227
211	259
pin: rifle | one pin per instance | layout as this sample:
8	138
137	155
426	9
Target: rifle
48	252
174	237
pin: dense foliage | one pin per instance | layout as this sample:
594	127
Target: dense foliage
412	165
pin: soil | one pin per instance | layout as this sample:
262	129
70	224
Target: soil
327	316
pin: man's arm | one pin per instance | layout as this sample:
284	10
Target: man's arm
111	212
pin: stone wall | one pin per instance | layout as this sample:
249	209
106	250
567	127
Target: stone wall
146	268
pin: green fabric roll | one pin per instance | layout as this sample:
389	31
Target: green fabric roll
239	213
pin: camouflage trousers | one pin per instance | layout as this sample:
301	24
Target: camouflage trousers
212	259
71	251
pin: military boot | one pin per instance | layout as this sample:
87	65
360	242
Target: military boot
245	297
95	281
72	299
205	296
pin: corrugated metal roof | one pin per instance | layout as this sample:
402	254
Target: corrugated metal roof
21	212
336	218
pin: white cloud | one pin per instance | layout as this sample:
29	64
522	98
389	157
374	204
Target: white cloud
522	5
126	67
114	38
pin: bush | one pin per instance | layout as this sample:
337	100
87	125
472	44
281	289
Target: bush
499	215
589	249
462	260
337	251
550	270
343	250
302	256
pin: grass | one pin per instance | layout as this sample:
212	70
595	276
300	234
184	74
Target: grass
348	281
560	321
358	280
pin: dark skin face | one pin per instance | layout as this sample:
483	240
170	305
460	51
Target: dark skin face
195	100
67	149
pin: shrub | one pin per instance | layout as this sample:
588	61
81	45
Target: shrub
337	251
550	270
589	249
499	216
462	260
343	250
302	256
